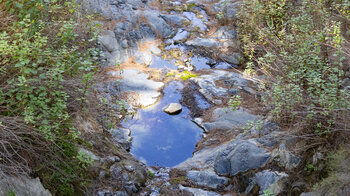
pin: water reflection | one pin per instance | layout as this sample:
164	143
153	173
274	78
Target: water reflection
162	139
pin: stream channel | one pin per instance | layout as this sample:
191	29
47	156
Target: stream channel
160	139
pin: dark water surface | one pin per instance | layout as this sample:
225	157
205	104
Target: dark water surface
161	139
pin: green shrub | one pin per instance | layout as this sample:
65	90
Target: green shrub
47	60
302	50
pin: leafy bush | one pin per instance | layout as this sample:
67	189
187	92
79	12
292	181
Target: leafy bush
303	51
46	48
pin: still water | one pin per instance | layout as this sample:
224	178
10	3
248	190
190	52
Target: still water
161	139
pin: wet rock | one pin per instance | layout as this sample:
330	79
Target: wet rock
173	108
275	181
158	24
206	178
227	119
122	136
176	20
22	185
196	22
198	192
202	42
240	157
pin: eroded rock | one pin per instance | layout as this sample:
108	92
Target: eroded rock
173	108
206	178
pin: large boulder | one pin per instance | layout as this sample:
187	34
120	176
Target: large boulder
22	185
158	24
240	156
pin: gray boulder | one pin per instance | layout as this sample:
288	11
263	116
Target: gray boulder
22	185
206	178
240	156
158	24
173	108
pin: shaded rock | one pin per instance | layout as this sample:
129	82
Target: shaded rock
122	136
198	192
108	40
206	178
22	185
240	157
234	58
227	8
158	24
173	108
202	42
275	181
177	20
283	157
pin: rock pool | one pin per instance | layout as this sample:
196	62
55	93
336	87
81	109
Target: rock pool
161	139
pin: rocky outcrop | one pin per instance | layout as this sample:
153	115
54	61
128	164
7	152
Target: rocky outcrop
122	136
240	156
22	185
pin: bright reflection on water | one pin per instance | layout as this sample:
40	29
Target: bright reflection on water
161	139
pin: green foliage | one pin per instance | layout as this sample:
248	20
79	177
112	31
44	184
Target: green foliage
46	46
185	75
268	192
301	48
234	102
10	193
150	174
